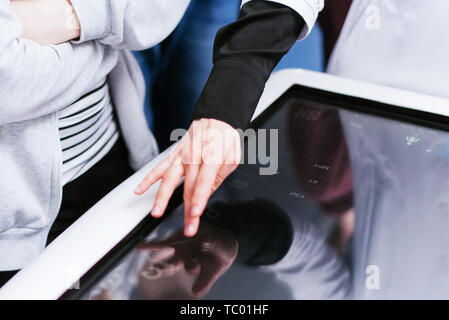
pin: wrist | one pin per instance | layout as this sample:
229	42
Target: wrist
231	94
94	18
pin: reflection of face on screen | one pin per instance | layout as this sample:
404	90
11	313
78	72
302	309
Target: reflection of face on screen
292	235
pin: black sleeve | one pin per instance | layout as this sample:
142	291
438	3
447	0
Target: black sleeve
245	53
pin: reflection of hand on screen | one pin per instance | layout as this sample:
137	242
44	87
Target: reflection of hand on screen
206	257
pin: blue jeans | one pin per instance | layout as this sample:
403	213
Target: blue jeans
177	70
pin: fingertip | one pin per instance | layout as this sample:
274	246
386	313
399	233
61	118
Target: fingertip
141	188
156	212
198	291
189	230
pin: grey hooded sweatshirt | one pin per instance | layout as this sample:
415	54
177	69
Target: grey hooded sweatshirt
36	81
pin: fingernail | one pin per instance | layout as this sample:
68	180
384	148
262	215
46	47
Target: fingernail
138	190
156	211
189	230
196	211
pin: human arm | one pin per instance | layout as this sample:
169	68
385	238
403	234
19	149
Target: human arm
47	21
130	24
245	53
35	79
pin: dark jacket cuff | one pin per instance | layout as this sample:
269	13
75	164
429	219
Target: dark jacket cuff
238	85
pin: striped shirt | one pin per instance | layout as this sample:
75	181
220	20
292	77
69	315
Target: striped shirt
88	131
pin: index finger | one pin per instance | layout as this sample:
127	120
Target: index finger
153	177
203	188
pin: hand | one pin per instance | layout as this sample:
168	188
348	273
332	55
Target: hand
47	21
208	153
207	256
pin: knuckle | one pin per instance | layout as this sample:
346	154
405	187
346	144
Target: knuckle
198	195
147	178
188	190
158	170
160	201
162	193
218	181
202	181
165	189
209	154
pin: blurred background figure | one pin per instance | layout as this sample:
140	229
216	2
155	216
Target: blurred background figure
331	20
176	70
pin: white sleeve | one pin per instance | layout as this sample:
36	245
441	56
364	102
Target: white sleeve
307	9
34	79
130	24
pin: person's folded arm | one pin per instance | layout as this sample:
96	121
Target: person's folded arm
47	21
34	79
130	24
